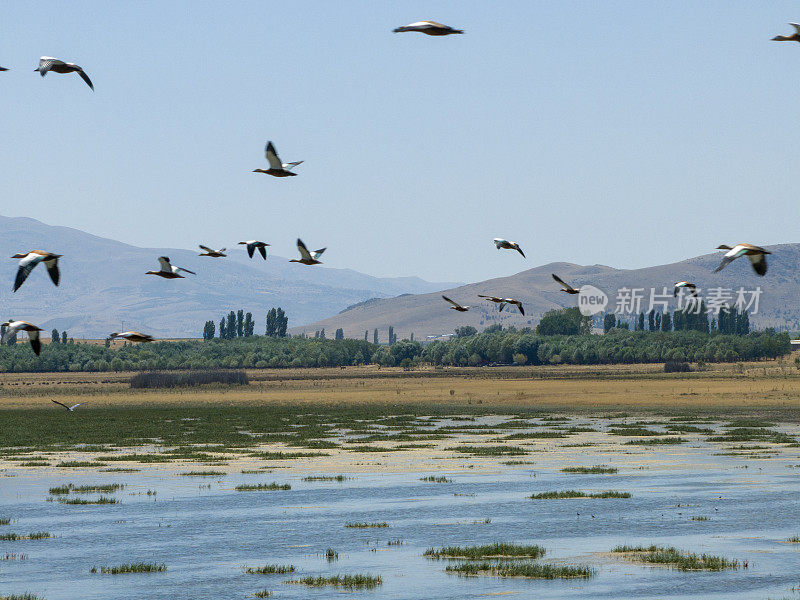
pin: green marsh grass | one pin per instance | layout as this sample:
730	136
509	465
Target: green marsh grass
667	441
534	435
120	470
34	463
331	555
513	463
365	525
4	521
577	494
530	570
13	556
25	596
490	450
795	539
678	559
700	518
13	537
80	464
496	550
337	478
83	501
263	594
203	474
262	487
131	568
270	570
434	479
595	470
108	488
350	582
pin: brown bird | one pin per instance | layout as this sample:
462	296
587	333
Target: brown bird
567	287
48	63
252	245
206	251
756	255
795	37
276	167
502	244
456	305
131	336
306	258
428	28
14	327
168	271
503	301
28	262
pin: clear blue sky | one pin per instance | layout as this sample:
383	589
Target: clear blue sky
623	133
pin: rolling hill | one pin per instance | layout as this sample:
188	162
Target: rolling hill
428	315
103	285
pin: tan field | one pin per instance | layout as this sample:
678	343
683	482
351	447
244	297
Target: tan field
742	387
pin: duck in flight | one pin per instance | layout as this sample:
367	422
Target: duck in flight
252	245
48	63
131	336
3	69
28	262
795	37
14	327
169	271
428	28
206	251
502	244
456	305
756	254
306	257
69	408
503	301
566	287
685	285
276	167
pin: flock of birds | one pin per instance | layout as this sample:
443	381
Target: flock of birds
277	168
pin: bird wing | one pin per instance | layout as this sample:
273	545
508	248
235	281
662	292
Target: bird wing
292	165
318	253
518	249
726	260
498	242
85	77
221	250
11	331
522	310
261	249
205	248
26	265
51	264
36	344
502	306
250	249
60	404
304	253
796	27
186	270
562	282
446	299
272	157
759	262
164	262
74	406
46	63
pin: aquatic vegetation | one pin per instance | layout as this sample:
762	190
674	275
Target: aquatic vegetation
331	555
632	431
108	488
10	556
34	463
131	568
532	435
700	518
353	525
577	494
155	379
395	542
286	455
82	501
4	521
13	537
262	487
25	596
595	470
490	450
795	539
434	479
204	474
351	582
531	570
667	441
513	463
685	428
120	470
271	570
753	434
496	550
263	594
337	478
80	463
678	559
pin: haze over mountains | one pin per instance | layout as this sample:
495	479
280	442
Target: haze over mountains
103	285
428	315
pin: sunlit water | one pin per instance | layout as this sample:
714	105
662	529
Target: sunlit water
205	536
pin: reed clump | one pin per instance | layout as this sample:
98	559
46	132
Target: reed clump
350	582
262	487
271	570
678	559
595	470
140	567
578	494
156	379
530	570
496	550
14	537
356	525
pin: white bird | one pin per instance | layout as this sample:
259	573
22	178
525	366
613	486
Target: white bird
428	28
169	271
48	63
276	167
131	336
252	245
306	257
756	255
687	285
14	327
456	305
28	262
212	253
502	244
69	408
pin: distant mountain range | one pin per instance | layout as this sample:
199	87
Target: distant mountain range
103	285
428	315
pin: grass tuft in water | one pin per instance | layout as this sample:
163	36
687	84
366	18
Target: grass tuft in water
204	474
80	464
679	559
795	539
263	594
490	450
271	570
531	570
595	470
25	596
355	525
577	494
668	441
5	521
434	479
262	487
131	568
14	537
337	478
331	555
350	582
496	550
83	501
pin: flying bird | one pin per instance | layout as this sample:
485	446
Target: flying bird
48	63
14	327
276	167
131	336
685	284
69	408
428	28
252	245
506	245
456	305
795	37
169	271
306	257
756	254
503	301
567	287
206	251
28	262
3	69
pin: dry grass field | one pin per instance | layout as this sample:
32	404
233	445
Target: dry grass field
772	386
